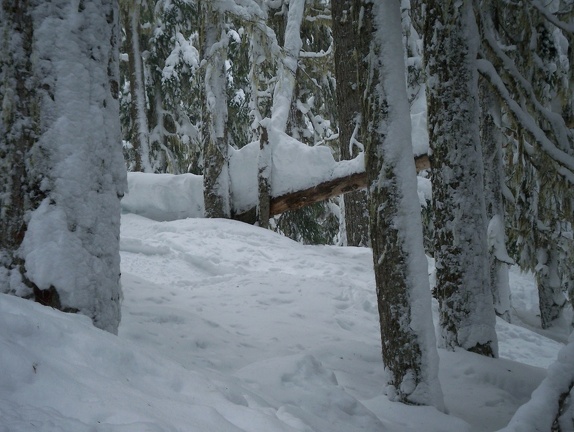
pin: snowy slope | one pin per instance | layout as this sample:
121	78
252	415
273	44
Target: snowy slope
227	327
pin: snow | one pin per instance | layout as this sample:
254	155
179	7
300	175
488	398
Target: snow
295	166
71	240
227	327
395	153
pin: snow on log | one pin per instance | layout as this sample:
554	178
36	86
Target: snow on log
302	176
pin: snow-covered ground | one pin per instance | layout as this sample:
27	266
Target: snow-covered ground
228	327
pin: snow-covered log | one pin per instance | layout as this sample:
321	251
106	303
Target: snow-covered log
169	197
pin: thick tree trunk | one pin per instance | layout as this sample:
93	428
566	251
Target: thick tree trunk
345	18
19	132
467	315
65	252
403	294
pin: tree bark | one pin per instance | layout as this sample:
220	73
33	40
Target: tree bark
345	38
493	181
216	170
467	315
138	129
320	192
403	294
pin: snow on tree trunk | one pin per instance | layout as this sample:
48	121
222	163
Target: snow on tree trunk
282	98
62	248
493	181
550	296
216	161
264	179
467	315
403	293
258	54
139	130
345	19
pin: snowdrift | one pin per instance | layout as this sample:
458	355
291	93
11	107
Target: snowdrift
228	327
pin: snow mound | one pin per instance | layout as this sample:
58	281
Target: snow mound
227	327
59	373
309	394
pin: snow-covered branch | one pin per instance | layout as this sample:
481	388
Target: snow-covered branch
565	26
562	158
560	131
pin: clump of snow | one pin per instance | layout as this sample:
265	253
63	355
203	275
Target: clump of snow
296	166
419	133
164	197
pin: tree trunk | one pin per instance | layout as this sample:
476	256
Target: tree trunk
345	38
19	125
550	296
216	166
493	182
138	130
403	294
467	315
264	176
65	252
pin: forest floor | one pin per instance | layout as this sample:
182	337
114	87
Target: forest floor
227	327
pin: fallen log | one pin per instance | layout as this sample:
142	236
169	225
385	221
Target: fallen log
320	192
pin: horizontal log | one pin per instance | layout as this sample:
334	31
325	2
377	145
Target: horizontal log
320	192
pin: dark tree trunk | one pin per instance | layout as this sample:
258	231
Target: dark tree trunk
19	124
345	37
465	301
493	181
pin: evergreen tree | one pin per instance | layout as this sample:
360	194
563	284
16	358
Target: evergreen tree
541	163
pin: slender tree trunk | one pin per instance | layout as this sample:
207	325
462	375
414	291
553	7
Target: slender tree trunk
550	296
403	294
139	129
216	166
65	252
345	21
264	176
467	315
493	182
